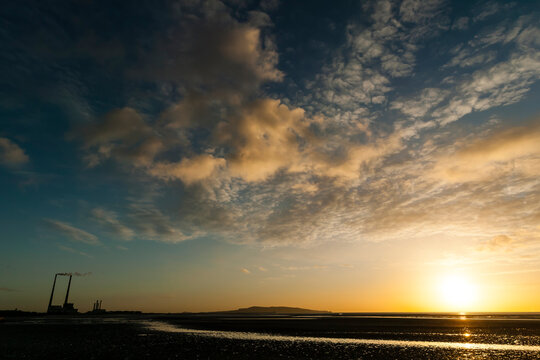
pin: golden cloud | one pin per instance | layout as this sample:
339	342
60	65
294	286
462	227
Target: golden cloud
189	170
515	149
264	139
497	243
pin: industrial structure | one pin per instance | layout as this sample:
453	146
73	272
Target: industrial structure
97	308
66	308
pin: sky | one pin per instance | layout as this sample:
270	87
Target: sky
209	155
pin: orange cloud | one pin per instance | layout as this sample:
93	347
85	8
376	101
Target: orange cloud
515	149
264	139
497	243
189	170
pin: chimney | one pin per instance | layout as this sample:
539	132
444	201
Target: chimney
52	292
100	304
67	292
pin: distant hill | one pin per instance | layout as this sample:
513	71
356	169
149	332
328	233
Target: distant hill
266	310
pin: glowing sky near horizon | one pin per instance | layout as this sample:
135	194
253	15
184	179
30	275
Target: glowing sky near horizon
209	155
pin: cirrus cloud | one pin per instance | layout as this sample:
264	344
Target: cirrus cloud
72	233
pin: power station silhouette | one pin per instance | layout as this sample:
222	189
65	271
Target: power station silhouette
66	308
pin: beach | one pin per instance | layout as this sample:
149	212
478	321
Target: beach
270	337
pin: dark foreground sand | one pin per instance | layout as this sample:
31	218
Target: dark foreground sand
128	338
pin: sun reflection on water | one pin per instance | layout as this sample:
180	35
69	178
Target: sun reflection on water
235	335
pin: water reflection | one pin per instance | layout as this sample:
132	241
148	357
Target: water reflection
236	335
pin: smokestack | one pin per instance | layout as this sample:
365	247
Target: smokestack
52	292
67	292
100	304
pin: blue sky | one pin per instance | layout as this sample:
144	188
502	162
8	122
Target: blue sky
203	155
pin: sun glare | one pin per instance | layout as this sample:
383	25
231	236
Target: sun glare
457	292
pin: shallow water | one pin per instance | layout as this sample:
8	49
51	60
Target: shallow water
253	336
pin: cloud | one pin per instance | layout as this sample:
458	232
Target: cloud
466	58
263	138
522	32
392	200
361	71
109	221
189	170
121	134
419	107
303	268
210	49
497	243
73	251
524	240
461	23
246	271
354	156
419	11
11	154
502	84
72	233
489	9
266	137
513	150
218	64
150	223
196	109
499	84
260	139
323	159
259	19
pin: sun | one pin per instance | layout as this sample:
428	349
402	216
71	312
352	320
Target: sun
457	292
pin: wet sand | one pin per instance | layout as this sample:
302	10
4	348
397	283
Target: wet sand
459	329
140	337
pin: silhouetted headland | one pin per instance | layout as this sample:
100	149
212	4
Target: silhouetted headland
273	310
